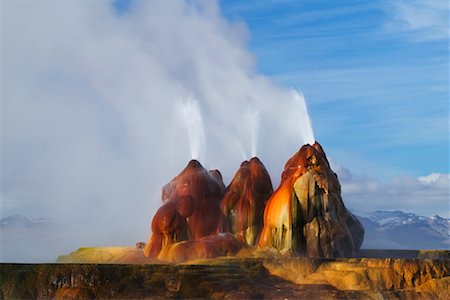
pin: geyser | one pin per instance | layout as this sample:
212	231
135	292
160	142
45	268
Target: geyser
253	124
200	218
189	111
300	110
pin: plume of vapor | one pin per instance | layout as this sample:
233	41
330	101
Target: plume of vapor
189	112
91	125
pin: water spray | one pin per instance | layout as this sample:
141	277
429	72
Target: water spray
305	130
189	111
253	120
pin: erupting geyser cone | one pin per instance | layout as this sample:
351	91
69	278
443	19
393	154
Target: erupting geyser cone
306	215
245	199
189	223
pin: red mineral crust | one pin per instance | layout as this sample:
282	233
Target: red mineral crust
222	244
190	214
245	199
306	215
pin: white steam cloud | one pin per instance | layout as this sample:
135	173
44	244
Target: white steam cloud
91	126
425	195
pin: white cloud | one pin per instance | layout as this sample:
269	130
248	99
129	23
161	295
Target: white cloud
420	20
435	179
425	195
90	131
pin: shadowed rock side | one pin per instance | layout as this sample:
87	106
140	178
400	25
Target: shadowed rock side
245	199
306	215
183	226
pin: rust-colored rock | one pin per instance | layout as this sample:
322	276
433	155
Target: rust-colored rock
306	215
245	199
222	244
190	212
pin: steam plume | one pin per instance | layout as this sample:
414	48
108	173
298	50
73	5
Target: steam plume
305	128
189	111
253	120
93	125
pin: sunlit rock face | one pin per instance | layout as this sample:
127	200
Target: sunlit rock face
190	212
306	215
245	199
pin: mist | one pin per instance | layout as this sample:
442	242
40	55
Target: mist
100	109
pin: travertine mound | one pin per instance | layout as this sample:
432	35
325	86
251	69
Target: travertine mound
190	212
245	199
306	215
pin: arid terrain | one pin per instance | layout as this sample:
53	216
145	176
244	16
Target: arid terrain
105	273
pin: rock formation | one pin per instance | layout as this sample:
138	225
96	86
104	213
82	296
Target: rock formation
190	212
245	199
306	215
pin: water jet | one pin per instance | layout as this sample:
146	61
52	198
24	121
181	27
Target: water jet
189	111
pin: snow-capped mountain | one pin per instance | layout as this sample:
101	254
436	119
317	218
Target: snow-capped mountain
33	240
401	230
21	222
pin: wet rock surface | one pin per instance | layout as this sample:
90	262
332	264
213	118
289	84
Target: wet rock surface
244	201
190	220
306	214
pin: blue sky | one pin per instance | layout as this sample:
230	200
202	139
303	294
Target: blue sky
376	83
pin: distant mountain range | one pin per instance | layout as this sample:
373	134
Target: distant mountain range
42	240
18	222
401	230
32	240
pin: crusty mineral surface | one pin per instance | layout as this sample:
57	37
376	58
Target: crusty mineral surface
306	215
245	199
188	223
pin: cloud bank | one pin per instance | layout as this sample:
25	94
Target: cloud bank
424	195
91	127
